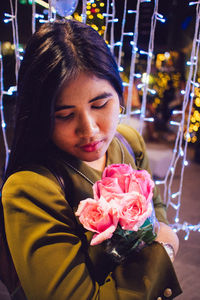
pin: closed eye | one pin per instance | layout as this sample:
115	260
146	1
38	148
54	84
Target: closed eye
65	117
99	106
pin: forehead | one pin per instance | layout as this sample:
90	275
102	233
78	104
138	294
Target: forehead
84	87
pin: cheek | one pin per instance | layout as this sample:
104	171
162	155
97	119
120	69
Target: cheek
61	135
113	118
109	124
57	132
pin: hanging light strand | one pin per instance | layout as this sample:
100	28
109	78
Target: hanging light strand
3	123
133	60
122	33
149	61
33	16
191	101
186	227
106	15
174	199
180	133
112	33
15	36
84	10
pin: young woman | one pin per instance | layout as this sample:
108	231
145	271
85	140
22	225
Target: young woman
69	97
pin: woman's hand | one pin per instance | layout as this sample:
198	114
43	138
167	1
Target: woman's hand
166	235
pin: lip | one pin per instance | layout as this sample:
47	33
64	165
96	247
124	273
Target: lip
91	147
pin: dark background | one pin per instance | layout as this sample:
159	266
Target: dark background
175	34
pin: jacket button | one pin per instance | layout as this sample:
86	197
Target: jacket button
167	292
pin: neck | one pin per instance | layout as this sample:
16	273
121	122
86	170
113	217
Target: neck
98	164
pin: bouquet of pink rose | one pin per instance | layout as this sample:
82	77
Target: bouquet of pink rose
121	213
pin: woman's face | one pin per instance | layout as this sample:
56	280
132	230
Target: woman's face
86	117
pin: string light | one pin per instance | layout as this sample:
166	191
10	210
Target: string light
10	91
113	20
136	112
196	84
181	154
174	123
146	53
117	44
34	16
107	15
140	86
3	123
120	69
133	57
133	44
149	54
177	112
39	16
194	3
189	63
125	83
122	33
9	17
149	119
172	170
175	195
138	75
128	33
132	11
185	227
153	92
160	18
182	92
175	206
158	182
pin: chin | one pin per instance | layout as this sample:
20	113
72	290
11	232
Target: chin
89	157
93	158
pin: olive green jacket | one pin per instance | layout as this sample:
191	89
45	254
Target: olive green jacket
51	250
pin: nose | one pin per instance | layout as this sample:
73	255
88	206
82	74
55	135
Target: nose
87	126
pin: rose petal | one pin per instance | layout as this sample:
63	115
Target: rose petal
134	210
106	187
102	236
117	170
83	204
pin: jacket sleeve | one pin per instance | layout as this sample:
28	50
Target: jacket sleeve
148	274
46	251
138	145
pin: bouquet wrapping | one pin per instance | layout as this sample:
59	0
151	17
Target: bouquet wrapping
121	213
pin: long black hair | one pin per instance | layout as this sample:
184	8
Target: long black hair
57	52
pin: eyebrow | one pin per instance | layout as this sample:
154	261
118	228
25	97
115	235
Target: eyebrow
101	96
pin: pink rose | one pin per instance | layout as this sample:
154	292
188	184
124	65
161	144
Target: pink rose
122	178
106	188
121	172
142	183
134	211
98	216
